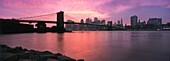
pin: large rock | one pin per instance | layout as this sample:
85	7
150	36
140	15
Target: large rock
13	58
20	54
4	48
52	60
65	58
16	50
80	60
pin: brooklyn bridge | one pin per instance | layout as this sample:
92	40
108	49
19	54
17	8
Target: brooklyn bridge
9	25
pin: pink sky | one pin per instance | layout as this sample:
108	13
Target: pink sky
111	10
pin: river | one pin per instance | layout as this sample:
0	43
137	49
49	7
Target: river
98	45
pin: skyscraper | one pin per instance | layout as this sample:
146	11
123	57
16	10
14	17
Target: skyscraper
69	26
103	22
81	21
81	26
134	20
88	20
96	20
155	21
121	21
118	22
109	23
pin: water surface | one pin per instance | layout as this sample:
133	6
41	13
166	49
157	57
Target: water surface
98	45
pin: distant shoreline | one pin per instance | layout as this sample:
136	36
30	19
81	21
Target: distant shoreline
89	30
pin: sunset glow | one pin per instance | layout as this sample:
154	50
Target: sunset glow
84	30
81	9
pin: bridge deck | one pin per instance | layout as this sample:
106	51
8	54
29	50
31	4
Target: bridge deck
54	22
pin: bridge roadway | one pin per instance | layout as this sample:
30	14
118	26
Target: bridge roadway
54	22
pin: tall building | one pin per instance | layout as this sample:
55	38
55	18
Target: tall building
69	26
139	21
81	21
96	20
81	26
155	21
134	20
109	23
115	24
121	21
88	20
118	22
103	22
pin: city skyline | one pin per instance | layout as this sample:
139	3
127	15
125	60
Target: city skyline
84	30
110	10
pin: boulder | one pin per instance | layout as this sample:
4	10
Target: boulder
80	60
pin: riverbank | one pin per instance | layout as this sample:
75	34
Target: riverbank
22	54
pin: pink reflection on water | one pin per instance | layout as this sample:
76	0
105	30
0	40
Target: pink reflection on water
97	45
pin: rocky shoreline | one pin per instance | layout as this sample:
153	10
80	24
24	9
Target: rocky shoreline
21	54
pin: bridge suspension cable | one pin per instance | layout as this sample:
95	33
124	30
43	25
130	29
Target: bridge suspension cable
31	17
70	17
50	16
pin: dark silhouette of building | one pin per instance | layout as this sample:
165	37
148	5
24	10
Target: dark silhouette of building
81	27
155	21
41	27
69	26
109	23
121	21
103	22
141	25
134	21
166	27
13	26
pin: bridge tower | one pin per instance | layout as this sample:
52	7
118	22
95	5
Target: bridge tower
60	22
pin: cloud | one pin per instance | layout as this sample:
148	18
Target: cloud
86	14
35	7
104	9
21	4
144	13
168	6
